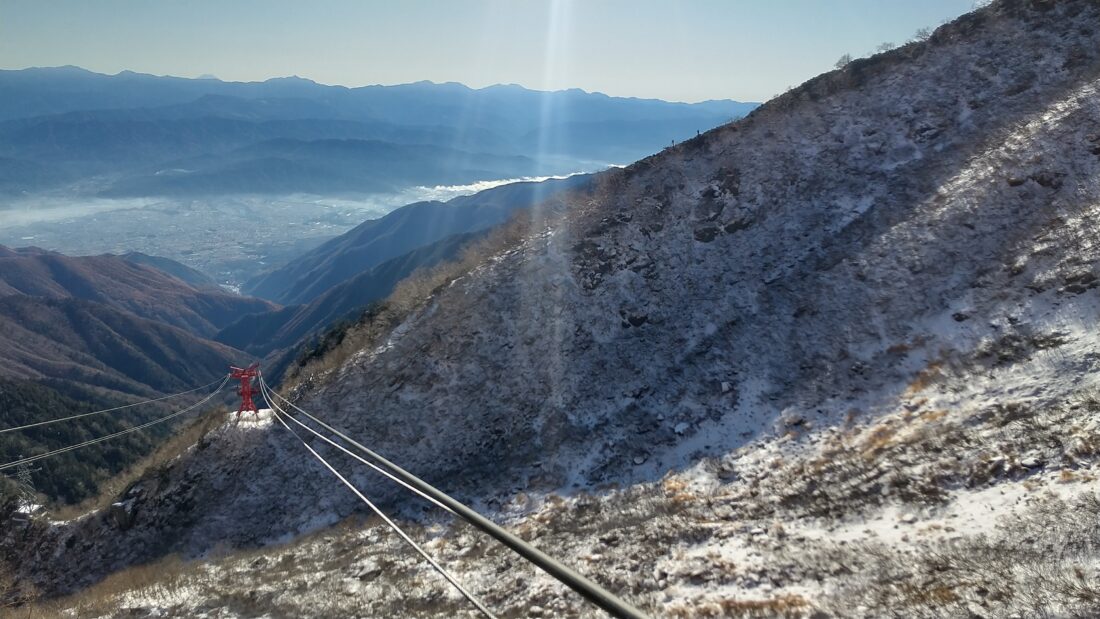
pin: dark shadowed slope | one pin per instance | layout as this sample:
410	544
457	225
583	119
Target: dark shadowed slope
284	328
173	268
71	477
407	228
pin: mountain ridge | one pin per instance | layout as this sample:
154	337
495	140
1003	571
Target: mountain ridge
95	345
289	326
90	133
802	350
124	284
33	74
398	232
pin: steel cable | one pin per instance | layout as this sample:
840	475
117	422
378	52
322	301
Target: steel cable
116	434
106	410
591	591
277	410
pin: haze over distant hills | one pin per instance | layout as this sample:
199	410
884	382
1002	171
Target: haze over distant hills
132	134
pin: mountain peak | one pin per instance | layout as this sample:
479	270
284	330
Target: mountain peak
290	79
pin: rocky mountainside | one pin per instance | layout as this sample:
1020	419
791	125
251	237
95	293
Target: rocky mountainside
807	261
834	359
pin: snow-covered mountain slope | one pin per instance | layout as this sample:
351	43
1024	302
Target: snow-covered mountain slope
688	546
868	301
810	260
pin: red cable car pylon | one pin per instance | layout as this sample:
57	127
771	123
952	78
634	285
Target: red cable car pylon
245	375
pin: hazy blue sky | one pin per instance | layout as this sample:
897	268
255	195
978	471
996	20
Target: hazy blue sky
679	50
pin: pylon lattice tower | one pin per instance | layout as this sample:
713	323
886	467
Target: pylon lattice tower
25	498
245	375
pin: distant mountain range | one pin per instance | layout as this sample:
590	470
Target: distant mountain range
59	90
326	166
133	134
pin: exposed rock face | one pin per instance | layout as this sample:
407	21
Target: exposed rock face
921	214
122	513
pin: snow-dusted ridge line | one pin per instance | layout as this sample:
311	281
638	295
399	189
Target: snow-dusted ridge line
869	300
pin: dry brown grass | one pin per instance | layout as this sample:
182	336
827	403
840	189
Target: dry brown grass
107	596
678	492
931	416
937	595
173	576
779	606
927	377
878	440
721	565
8	592
1067	476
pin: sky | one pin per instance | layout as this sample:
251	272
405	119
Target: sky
678	50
